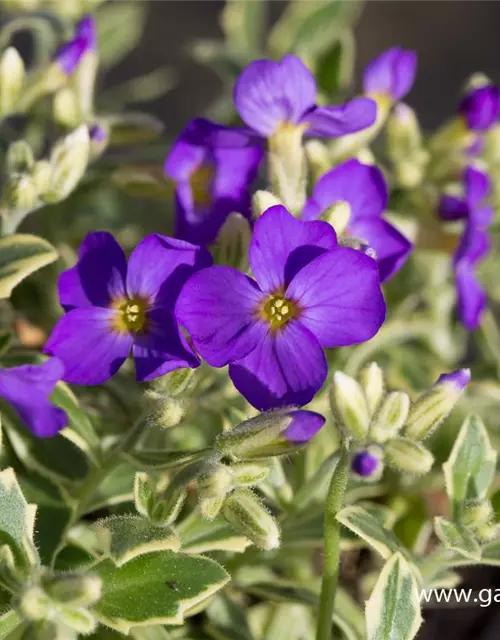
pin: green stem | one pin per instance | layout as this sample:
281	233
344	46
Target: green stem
331	544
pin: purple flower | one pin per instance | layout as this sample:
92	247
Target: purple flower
213	167
68	56
308	293
474	245
113	308
363	189
27	389
304	425
480	107
272	95
460	378
391	74
365	464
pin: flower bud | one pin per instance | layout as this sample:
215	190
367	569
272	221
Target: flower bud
66	108
11	80
21	194
42	176
34	604
172	411
434	405
248	474
215	484
338	216
99	139
349	406
404	136
270	434
69	161
79	620
487	532
287	166
371	379
20	159
78	590
477	512
233	241
263	200
245	512
173	384
408	456
390	417
367	464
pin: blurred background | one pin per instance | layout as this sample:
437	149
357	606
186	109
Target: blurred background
453	40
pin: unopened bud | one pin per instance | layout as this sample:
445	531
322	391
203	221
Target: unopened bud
434	405
349	406
99	138
79	590
371	379
270	434
404	136
42	176
20	159
477	512
338	216
211	507
172	411
11	80
248	474
144	494
487	532
79	620
245	512
233	241
368	464
408	456
216	483
391	416
66	108
21	194
287	166
69	161
35	604
261	201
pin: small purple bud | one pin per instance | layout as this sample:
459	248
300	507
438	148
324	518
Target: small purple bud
460	378
481	107
86	30
69	55
365	464
305	424
98	134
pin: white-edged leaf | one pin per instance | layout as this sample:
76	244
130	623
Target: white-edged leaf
457	538
20	256
155	588
200	536
393	609
124	537
470	468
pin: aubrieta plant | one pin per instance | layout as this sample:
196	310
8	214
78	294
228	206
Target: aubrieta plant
261	348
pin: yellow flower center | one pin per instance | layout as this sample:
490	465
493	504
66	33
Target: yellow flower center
277	310
201	181
132	317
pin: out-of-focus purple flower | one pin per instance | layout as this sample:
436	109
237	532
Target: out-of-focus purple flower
98	134
460	378
213	167
365	464
27	389
480	107
363	188
474	245
308	293
114	308
271	95
391	74
68	56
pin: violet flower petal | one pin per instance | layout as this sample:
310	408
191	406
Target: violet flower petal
340	120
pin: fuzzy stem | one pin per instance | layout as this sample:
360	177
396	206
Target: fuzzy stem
331	544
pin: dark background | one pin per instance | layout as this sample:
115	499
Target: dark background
453	39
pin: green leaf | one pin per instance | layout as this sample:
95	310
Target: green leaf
457	538
228	620
490	554
199	536
132	127
162	459
243	24
124	537
155	588
117	487
20	256
393	609
368	527
308	28
470	468
119	29
335	67
17	520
